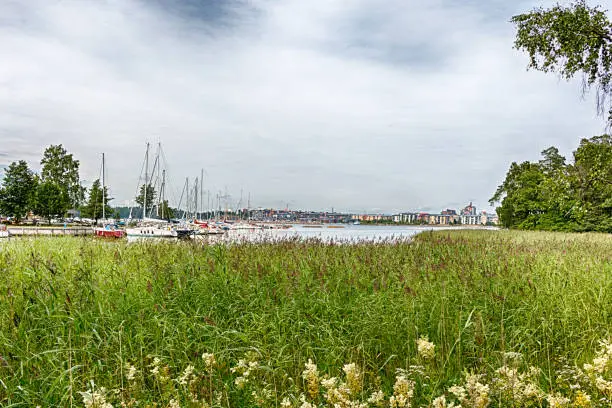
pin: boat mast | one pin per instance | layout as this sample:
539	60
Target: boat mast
195	198
103	189
158	163
146	184
162	192
201	193
188	202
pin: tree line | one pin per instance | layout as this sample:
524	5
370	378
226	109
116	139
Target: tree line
57	190
552	194
571	40
53	192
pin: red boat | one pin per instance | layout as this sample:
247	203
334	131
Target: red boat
109	232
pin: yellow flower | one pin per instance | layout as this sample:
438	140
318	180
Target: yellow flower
582	400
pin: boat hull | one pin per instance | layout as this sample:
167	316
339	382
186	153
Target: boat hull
101	232
151	232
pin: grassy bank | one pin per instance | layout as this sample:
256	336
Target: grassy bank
133	318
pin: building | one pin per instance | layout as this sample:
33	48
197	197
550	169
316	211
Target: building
469	210
471	219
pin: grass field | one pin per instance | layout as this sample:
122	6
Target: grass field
89	323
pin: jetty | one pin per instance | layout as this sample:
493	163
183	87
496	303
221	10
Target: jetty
49	231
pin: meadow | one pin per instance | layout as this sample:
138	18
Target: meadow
454	318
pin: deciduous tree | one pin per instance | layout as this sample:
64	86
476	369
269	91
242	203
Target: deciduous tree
93	208
51	200
61	169
151	196
570	40
18	190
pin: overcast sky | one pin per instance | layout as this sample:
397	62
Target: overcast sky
362	105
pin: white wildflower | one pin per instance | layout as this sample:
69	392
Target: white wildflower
187	377
377	398
209	361
425	348
353	378
311	377
131	372
557	401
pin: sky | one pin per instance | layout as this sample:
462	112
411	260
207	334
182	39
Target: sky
355	105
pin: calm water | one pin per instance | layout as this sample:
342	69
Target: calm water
346	233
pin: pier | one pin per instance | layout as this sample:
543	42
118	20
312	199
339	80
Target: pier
49	231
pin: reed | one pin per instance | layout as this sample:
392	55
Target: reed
99	322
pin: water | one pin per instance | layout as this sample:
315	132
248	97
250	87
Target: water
341	233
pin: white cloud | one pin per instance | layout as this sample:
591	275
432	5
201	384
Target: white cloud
351	104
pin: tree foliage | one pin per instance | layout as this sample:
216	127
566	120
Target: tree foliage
151	197
51	200
18	190
553	195
570	40
93	208
61	169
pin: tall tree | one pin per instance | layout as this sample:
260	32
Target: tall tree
93	208
60	168
51	200
165	211
17	191
520	196
553	195
592	180
570	40
151	197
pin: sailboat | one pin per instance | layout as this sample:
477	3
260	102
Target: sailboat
150	227
108	230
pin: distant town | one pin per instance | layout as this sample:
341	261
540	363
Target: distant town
466	216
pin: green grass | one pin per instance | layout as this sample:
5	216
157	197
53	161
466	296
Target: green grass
76	309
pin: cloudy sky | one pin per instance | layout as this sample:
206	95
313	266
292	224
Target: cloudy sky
362	105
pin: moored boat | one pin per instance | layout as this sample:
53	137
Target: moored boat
109	231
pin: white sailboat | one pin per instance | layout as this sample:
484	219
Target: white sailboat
149	227
108	230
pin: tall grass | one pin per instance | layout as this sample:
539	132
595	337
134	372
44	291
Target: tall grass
74	310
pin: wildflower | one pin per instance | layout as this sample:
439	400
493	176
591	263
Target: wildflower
306	404
440	402
474	394
377	398
353	378
95	399
459	392
131	372
328	383
603	360
479	393
425	348
240	382
513	357
286	403
187	377
582	400
605	387
403	390
557	401
174	404
209	362
311	377
159	372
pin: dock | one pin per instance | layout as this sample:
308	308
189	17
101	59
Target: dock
49	231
